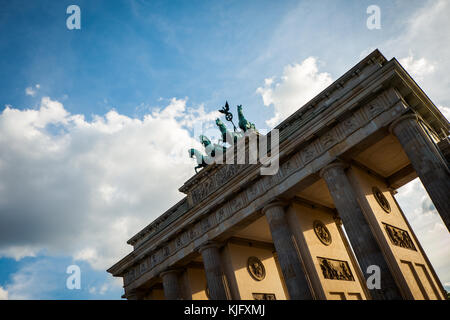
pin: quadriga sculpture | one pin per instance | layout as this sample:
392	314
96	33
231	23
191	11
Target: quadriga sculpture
230	137
227	135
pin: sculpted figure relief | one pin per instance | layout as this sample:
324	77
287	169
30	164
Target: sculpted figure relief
381	199
335	269
399	237
322	232
256	268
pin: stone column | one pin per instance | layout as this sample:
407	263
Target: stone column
426	161
288	257
362	239
171	285
215	276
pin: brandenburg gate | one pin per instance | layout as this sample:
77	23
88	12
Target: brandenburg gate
326	225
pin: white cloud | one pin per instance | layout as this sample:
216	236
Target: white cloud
417	68
83	188
46	278
3	294
445	111
298	84
19	252
99	290
30	91
31	282
424	35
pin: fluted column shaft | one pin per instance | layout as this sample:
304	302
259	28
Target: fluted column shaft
215	276
288	258
363	241
426	161
171	285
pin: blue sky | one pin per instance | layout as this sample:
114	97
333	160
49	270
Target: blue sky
93	119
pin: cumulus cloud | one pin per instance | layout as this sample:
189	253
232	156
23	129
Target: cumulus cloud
82	188
423	49
445	111
99	290
34	281
30	91
46	278
418	68
298	84
3	294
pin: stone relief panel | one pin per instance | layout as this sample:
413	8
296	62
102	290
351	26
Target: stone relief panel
384	100
328	139
289	166
220	215
322	232
308	153
264	296
381	199
256	269
335	269
219	178
205	225
349	125
254	190
238	202
399	237
374	108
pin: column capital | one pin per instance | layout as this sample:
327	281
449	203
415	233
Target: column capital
134	294
209	244
337	219
408	116
337	164
276	203
169	271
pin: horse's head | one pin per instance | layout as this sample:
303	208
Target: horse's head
219	122
204	140
239	110
191	152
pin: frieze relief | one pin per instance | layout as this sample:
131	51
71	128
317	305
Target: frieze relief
328	139
399	237
335	269
383	101
308	153
205	225
220	215
220	177
350	124
254	190
374	108
179	242
289	166
264	296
